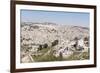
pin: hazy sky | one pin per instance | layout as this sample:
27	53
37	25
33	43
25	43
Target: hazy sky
63	18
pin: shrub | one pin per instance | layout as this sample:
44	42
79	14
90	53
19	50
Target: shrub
35	27
55	43
45	46
76	38
40	47
61	56
86	39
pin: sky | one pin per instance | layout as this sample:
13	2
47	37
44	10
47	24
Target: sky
58	17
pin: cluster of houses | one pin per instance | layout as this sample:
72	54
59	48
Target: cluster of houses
79	45
64	48
61	39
